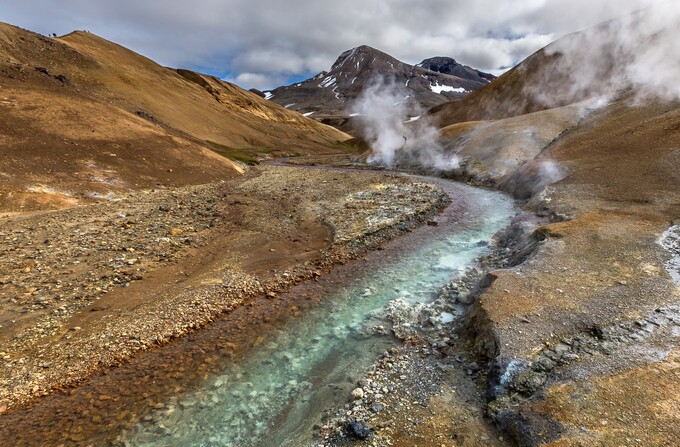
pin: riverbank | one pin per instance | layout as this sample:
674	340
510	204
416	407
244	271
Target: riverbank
87	288
578	344
430	389
273	393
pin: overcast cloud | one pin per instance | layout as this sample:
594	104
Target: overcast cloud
260	43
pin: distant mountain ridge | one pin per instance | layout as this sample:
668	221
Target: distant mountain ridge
328	96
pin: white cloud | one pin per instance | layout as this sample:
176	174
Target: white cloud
277	38
268	61
256	80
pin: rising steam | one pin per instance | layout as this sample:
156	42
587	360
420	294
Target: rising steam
637	53
636	56
383	112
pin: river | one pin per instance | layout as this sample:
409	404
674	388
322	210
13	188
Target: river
276	393
264	374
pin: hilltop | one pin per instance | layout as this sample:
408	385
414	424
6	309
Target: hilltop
83	117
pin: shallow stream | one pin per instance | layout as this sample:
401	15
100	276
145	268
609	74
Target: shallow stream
263	374
277	392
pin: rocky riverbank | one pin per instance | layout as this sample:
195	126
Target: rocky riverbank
444	387
430	390
88	287
576	337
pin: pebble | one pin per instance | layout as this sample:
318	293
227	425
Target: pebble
357	394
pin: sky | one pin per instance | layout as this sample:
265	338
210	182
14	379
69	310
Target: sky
267	43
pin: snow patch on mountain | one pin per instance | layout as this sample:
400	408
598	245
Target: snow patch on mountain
331	93
446	88
327	82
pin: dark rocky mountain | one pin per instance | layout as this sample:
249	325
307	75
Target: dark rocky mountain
328	96
448	65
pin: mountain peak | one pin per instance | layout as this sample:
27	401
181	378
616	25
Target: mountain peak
328	96
450	66
358	54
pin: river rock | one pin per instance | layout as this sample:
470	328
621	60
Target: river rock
357	393
358	430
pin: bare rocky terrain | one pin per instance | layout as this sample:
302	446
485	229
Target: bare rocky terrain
574	338
128	275
568	335
83	118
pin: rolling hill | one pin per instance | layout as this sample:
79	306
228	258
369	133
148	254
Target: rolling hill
82	116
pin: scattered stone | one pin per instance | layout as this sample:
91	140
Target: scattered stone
64	80
358	430
597	331
91	258
357	394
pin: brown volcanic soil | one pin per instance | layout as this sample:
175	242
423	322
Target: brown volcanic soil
87	287
577	345
601	270
81	117
623	193
201	106
548	78
60	151
512	94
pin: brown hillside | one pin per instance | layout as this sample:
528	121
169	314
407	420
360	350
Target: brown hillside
585	306
602	268
82	118
546	79
492	151
587	324
202	106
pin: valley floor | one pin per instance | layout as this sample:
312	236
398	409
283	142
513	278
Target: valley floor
576	345
85	288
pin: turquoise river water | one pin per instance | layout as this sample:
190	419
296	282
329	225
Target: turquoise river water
274	394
